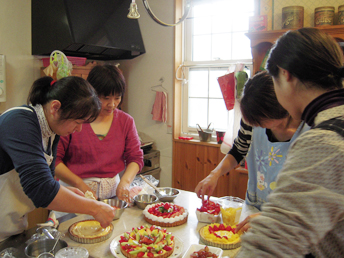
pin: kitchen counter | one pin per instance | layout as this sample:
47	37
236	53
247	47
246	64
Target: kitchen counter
132	217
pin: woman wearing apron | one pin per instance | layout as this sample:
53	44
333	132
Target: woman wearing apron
92	160
266	132
28	141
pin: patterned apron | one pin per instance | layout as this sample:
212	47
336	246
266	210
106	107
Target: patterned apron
264	160
14	202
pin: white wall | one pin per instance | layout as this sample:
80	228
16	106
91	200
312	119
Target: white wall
15	43
144	72
141	73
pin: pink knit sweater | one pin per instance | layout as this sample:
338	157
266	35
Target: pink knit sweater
87	156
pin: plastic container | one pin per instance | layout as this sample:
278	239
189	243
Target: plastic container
197	247
292	17
341	14
79	61
230	209
323	16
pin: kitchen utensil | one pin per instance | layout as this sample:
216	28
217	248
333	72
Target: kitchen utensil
118	204
169	193
154	187
51	252
208	126
37	247
200	127
47	233
142	200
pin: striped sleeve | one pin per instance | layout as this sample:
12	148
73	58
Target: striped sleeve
242	142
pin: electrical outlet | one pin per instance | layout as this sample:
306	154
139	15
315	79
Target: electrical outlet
2	78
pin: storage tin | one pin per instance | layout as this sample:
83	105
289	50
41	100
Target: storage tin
292	17
323	16
341	14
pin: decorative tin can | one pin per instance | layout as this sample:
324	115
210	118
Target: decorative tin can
292	17
341	14
323	16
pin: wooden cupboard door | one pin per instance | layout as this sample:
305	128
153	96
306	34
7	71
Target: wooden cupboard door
192	163
38	215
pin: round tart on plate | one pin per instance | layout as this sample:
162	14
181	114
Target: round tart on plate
89	232
165	214
220	235
147	242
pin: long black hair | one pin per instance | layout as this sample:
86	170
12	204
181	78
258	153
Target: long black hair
310	55
77	97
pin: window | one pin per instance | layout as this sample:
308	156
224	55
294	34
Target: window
214	38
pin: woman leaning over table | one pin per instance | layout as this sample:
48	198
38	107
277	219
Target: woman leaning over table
28	140
93	158
305	213
266	133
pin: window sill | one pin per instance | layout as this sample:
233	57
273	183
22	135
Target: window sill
198	142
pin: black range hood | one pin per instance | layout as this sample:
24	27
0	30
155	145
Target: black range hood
96	29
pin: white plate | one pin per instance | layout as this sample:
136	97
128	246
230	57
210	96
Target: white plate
196	247
116	251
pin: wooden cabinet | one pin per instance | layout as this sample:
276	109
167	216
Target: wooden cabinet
262	41
193	161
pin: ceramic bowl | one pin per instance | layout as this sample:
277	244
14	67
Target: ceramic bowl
142	200
117	203
169	194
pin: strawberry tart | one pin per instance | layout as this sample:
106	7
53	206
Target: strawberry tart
220	235
147	242
165	214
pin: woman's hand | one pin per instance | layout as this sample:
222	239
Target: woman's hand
245	224
123	191
105	214
206	186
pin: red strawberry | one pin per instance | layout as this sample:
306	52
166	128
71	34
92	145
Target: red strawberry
167	248
222	227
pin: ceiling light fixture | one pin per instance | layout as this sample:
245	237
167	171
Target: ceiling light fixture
134	14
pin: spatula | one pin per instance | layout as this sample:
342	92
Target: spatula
160	195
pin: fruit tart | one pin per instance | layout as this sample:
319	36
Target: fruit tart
165	214
147	242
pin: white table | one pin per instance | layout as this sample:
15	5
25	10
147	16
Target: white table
132	217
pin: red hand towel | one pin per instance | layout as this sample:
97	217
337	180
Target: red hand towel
159	110
227	85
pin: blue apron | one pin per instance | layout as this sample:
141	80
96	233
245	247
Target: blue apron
264	160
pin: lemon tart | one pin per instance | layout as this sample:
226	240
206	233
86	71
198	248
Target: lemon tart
89	232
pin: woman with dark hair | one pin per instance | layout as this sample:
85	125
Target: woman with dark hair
28	140
305	213
92	159
267	131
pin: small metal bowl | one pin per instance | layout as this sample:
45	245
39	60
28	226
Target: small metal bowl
117	203
37	247
168	193
142	200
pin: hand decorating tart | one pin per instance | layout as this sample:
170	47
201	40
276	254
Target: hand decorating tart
165	214
89	232
146	242
220	235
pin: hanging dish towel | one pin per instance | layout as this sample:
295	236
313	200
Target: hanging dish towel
159	110
227	85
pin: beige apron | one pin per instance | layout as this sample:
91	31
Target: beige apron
14	203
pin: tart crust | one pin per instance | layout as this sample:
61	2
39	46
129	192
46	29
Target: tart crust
92	238
224	246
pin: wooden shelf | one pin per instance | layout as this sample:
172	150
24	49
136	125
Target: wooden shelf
262	41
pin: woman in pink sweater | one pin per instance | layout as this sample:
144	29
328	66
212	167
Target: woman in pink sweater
93	158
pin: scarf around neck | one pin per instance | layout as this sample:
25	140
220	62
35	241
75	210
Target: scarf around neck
325	101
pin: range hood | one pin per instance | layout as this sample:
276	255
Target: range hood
96	29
